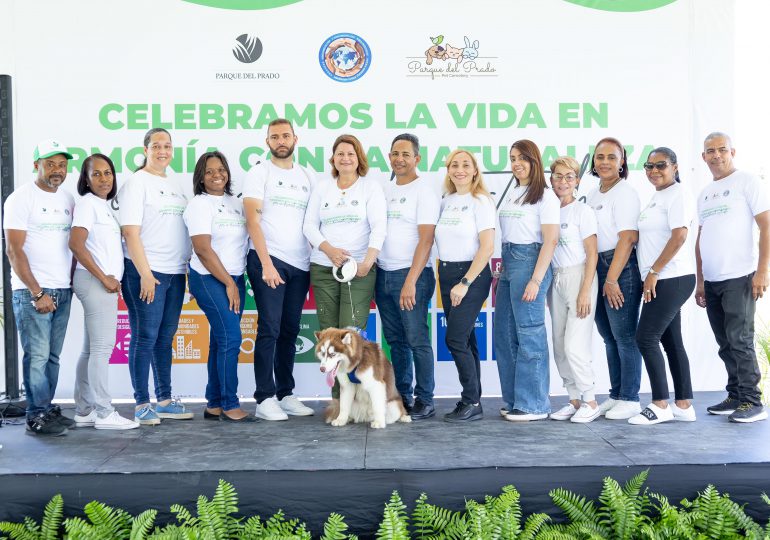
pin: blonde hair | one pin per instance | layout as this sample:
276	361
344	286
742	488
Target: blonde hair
477	184
566	161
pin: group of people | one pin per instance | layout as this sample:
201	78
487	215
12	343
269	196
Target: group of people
355	239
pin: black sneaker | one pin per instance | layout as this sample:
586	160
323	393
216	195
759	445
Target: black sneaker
748	412
727	407
63	420
421	411
45	424
465	412
407	404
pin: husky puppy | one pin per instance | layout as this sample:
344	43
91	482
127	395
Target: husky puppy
367	384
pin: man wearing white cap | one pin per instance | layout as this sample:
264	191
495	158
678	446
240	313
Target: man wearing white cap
37	217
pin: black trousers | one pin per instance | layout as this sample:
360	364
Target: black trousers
730	306
461	324
660	323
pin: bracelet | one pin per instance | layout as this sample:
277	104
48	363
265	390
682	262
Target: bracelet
654	272
38	296
610	282
539	282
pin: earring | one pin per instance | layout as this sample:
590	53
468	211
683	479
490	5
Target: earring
593	170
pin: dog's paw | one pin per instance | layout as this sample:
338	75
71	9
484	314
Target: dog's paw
405	419
338	423
377	425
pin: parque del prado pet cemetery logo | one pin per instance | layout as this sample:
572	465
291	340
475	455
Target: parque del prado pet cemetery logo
443	59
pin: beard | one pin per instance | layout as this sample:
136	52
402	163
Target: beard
282	152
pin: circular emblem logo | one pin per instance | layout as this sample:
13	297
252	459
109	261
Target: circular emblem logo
345	57
247	48
354	203
564	225
598	207
726	193
403	200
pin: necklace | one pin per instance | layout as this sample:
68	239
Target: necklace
602	189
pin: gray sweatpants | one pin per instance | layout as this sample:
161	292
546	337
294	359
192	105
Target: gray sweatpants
100	309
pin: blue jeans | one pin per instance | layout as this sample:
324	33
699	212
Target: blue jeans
153	327
42	339
618	328
407	331
521	341
280	311
224	338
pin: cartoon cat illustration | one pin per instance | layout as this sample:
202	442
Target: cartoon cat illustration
453	53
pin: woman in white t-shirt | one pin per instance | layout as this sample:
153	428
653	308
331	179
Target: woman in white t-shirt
616	205
529	230
157	249
217	228
95	243
668	270
572	296
465	237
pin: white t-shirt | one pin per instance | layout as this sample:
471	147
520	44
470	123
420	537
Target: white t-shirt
410	205
284	194
728	240
103	242
667	210
156	204
47	218
617	210
578	222
521	223
462	218
221	218
354	219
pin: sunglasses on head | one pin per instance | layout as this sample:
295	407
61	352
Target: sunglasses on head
660	165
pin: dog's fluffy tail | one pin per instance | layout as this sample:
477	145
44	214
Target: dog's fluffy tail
332	410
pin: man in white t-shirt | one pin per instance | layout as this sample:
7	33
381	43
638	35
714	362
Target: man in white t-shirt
37	218
731	273
275	197
405	279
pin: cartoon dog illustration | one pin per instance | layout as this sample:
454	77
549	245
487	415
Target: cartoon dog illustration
367	384
436	51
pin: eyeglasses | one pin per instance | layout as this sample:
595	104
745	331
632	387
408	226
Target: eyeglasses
571	177
660	165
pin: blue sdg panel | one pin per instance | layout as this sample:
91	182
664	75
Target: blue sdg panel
442	353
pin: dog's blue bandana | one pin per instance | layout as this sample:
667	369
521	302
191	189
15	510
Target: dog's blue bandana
353	378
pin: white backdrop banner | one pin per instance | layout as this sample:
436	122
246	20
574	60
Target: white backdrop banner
563	73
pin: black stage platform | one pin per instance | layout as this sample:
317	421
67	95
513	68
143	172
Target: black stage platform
310	469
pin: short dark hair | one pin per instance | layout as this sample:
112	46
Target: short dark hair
669	154
409	138
146	143
85	170
200	172
623	173
279	121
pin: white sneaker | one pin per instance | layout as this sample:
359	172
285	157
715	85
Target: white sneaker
585	414
294	407
606	405
652	414
115	421
623	410
565	413
683	415
269	409
87	420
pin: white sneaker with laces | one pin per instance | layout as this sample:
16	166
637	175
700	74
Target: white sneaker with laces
86	420
565	413
585	414
652	414
606	405
623	410
294	407
115	421
269	409
683	415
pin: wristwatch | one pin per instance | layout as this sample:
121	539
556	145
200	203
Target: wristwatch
465	281
653	272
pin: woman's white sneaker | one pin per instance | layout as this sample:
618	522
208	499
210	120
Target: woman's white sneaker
585	414
606	405
270	409
115	421
652	414
565	413
623	410
294	407
683	415
85	420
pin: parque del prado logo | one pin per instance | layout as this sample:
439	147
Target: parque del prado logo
247	48
443	59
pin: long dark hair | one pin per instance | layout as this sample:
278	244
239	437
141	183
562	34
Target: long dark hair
147	138
536	187
669	154
85	171
200	172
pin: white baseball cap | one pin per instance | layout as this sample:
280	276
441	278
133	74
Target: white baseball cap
48	148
